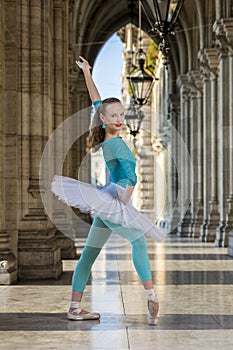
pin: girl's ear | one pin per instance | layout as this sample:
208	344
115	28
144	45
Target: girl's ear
102	117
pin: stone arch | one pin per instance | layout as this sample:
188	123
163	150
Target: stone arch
109	17
94	22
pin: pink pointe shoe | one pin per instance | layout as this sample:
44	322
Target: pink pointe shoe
153	307
81	315
153	312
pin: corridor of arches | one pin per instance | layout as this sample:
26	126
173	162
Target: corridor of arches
184	152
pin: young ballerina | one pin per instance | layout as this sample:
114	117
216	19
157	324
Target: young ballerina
110	204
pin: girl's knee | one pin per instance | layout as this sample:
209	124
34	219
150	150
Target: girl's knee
90	253
139	243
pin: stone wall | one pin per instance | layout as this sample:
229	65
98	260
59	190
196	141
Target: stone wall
35	81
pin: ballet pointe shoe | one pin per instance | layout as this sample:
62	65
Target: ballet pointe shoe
153	312
81	315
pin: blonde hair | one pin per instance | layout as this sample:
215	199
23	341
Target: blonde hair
97	133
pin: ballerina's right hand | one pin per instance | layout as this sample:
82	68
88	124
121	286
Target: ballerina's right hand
82	63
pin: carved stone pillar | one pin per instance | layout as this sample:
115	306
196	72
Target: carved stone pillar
39	255
8	142
185	175
205	75
230	195
213	218
228	229
224	177
174	111
213	215
196	144
60	113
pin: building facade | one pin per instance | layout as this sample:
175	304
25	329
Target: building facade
191	115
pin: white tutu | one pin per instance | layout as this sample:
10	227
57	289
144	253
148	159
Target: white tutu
103	202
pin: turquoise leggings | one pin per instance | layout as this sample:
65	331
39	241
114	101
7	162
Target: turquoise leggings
98	236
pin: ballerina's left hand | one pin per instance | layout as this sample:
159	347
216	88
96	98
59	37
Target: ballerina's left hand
125	197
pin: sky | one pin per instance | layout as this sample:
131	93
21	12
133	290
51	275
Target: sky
108	67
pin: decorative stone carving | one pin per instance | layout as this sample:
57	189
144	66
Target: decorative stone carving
8	272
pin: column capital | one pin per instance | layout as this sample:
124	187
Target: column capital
228	28
208	59
227	24
184	86
221	41
159	145
195	82
182	80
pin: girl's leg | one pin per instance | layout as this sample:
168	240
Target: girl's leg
98	235
142	265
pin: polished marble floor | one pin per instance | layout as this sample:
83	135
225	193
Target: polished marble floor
194	282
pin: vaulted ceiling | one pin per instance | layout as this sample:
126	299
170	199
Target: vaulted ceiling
94	21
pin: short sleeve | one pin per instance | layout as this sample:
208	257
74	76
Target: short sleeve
96	104
129	169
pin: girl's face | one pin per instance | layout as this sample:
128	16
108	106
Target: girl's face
114	117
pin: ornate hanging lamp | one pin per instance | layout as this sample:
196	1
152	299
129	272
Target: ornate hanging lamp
165	13
141	78
134	117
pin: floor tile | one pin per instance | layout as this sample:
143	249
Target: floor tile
193	279
181	340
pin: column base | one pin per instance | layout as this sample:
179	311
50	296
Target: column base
174	222
196	223
68	250
211	224
39	257
221	235
202	230
183	228
229	222
230	246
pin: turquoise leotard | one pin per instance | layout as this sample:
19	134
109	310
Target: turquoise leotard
121	164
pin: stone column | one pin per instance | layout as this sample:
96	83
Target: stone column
60	15
230	196
213	216
173	162
222	45
184	171
39	255
8	142
196	144
205	76
228	29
